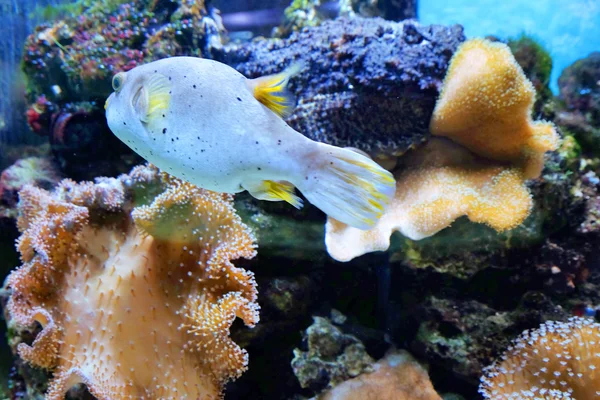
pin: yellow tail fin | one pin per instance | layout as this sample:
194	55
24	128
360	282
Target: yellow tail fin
349	187
272	93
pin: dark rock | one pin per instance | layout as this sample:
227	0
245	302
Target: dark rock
366	83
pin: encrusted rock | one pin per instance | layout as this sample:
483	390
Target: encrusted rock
366	83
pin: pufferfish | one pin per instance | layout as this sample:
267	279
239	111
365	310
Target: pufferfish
204	122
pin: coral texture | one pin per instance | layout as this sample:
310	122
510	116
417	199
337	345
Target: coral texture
486	105
434	186
35	171
368	83
397	376
135	302
332	356
560	360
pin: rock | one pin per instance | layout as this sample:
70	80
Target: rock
370	84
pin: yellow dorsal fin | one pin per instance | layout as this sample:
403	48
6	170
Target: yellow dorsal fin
274	191
271	90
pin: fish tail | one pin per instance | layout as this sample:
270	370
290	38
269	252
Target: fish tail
348	186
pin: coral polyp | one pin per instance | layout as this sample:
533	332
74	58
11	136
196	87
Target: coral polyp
127	308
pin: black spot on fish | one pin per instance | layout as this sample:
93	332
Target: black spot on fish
176	137
124	123
202	150
258	168
256	142
279	142
306	178
172	140
185	76
164	130
194	86
198	137
170	91
169	78
164	116
155	71
239	99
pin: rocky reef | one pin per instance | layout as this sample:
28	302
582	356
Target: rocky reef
370	84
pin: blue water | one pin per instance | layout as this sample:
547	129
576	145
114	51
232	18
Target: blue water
569	29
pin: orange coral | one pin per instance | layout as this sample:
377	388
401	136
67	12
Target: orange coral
484	108
434	186
395	377
134	302
557	361
486	104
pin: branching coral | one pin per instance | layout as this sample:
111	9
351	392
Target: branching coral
557	361
484	108
134	302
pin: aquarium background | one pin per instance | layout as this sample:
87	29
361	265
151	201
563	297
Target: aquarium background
434	309
568	29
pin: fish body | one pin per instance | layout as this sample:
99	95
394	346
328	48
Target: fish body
206	123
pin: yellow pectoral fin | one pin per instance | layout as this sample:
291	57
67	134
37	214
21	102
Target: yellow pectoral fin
272	93
274	191
152	99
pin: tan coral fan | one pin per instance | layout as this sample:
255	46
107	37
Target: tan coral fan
438	184
395	377
485	107
486	104
557	361
138	306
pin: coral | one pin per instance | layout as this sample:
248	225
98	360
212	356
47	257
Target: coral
332	357
396	10
132	282
579	88
434	186
370	84
398	376
559	361
79	54
580	101
69	66
36	171
536	63
485	105
299	14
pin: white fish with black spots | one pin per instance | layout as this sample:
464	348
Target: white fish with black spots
204	122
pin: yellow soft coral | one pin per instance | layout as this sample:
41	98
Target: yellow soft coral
434	186
485	110
560	360
486	104
134	302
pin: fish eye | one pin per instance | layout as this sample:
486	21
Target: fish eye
117	82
